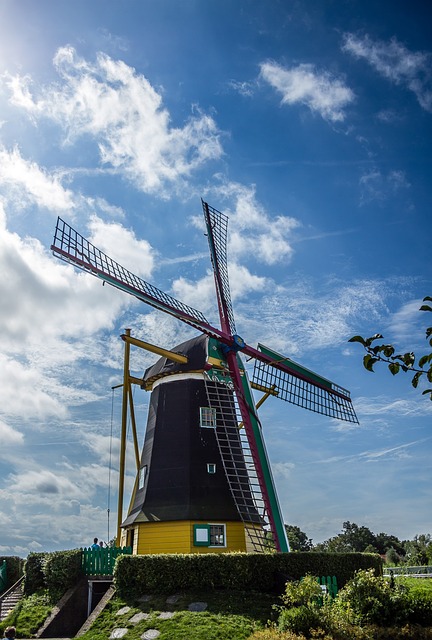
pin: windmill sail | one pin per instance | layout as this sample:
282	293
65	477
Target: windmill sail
302	387
217	224
217	228
72	247
238	461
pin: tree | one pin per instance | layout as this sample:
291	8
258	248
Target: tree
406	362
353	538
392	557
384	542
419	550
297	539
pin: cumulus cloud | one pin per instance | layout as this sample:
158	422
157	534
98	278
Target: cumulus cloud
29	183
320	91
252	231
113	238
395	62
9	435
110	102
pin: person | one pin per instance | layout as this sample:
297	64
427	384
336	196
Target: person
95	544
10	633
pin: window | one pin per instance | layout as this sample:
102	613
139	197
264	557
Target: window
217	535
142	477
211	467
209	535
207	417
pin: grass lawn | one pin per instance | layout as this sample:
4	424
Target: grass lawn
229	615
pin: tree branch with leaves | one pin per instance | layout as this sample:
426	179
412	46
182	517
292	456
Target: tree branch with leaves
406	362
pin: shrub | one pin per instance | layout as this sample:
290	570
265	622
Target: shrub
420	605
368	599
57	572
302	592
300	619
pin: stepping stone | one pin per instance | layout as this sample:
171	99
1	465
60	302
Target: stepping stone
172	599
122	611
197	606
138	617
150	634
166	615
118	633
144	599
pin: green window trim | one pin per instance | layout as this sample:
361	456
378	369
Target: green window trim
201	535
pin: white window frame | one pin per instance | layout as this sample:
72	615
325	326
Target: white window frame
207	418
221	532
211	467
142	477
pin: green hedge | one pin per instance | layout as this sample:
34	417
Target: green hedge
15	567
56	572
168	573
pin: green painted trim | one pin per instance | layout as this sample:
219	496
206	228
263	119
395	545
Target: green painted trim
277	357
201	527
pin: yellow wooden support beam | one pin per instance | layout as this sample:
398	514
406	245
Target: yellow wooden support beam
171	355
270	391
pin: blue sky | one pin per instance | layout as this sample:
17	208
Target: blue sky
309	124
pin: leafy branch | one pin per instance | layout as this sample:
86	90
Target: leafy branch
399	362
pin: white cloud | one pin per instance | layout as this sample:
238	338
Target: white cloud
26	179
110	102
395	62
135	255
253	233
321	92
414	407
375	185
403	322
9	435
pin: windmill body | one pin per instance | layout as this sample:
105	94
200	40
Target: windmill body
184	500
204	480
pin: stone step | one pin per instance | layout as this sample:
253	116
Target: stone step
10	602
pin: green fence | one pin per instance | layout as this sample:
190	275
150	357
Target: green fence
330	583
3	576
100	562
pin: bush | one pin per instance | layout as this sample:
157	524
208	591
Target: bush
239	571
34	575
57	572
305	592
301	619
368	599
14	569
420	606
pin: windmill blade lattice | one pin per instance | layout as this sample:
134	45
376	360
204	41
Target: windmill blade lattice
238	462
217	229
303	387
72	247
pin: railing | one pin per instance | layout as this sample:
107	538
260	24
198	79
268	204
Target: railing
100	562
422	571
3	576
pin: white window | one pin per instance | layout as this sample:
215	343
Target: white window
142	477
207	417
217	535
211	467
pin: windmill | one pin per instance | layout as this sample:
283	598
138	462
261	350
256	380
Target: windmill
204	481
